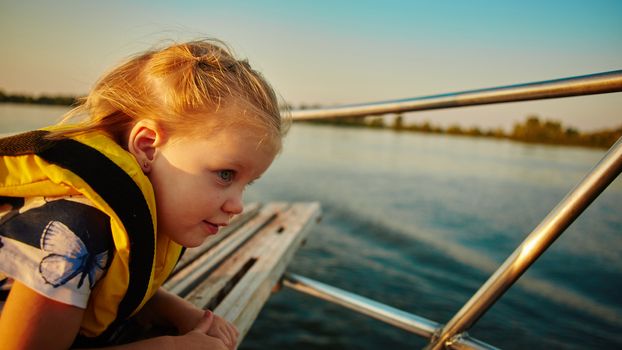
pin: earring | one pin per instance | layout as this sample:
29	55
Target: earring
145	164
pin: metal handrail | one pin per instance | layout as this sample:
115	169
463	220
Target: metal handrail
453	335
385	313
599	83
407	321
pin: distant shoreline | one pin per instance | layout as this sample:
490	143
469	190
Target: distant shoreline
533	130
56	100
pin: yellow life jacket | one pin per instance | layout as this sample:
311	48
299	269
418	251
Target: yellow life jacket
95	166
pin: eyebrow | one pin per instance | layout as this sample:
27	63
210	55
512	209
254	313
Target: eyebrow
234	163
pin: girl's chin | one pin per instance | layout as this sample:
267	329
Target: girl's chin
191	239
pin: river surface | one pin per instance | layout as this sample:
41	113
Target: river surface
419	222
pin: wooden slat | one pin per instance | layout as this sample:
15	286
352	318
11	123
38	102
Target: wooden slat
242	307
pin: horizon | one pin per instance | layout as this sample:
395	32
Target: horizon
339	53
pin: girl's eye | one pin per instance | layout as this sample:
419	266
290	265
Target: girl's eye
226	175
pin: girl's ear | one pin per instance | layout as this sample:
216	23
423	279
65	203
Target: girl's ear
145	138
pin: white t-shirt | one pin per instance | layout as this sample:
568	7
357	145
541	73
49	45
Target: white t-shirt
59	247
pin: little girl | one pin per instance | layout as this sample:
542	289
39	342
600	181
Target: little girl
94	215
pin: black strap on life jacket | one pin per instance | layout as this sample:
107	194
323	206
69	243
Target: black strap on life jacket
118	190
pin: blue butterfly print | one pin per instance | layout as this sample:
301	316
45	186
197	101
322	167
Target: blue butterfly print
68	257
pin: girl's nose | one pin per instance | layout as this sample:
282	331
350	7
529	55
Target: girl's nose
233	205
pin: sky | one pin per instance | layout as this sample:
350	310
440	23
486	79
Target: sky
337	52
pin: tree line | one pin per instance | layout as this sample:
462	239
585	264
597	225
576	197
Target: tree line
57	100
532	130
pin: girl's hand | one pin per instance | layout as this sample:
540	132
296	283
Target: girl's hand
169	309
198	338
222	330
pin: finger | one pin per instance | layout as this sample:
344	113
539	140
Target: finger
219	330
233	332
224	329
232	335
230	340
205	323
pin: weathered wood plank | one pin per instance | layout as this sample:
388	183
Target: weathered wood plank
241	306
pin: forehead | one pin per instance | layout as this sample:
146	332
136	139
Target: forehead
237	116
238	138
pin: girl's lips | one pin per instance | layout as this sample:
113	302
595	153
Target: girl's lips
211	228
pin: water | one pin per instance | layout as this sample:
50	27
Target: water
419	222
15	117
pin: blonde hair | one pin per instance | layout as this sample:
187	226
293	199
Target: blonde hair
176	87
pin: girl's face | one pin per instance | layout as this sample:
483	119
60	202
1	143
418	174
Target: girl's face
199	182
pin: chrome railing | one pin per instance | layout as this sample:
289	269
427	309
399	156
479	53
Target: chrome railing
599	83
398	318
453	334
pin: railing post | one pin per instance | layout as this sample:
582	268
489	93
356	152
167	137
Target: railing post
534	245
